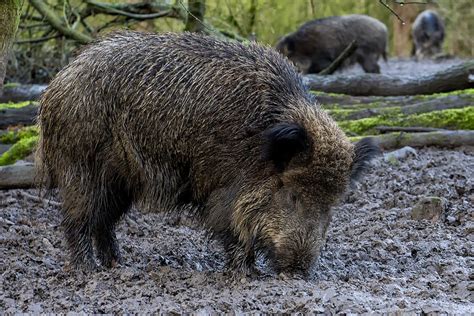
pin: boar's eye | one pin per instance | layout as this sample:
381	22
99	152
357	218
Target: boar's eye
365	150
282	142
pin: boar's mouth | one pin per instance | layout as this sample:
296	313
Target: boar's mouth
287	262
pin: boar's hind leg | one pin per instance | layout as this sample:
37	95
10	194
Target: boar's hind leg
369	63
77	226
116	201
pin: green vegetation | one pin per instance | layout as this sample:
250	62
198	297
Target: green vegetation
450	119
11	137
18	105
19	150
11	85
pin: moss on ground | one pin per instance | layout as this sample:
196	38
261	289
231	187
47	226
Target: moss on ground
19	150
11	105
386	102
449	119
11	137
11	85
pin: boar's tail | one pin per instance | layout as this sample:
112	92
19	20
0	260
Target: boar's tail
384	55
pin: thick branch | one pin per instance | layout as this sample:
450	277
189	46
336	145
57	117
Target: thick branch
56	22
453	78
391	129
139	11
127	10
408	107
21	116
441	139
26	92
17	176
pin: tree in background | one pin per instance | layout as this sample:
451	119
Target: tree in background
9	18
51	30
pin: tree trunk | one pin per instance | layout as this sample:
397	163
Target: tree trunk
195	20
10	11
454	78
402	40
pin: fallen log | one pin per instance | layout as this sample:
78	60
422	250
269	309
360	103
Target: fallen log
18	116
22	92
23	175
418	107
458	77
447	139
391	129
18	176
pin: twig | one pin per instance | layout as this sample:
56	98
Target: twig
401	3
346	53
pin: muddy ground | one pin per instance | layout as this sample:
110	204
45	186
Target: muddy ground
376	259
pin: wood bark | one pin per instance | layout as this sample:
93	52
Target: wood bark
439	138
458	77
21	116
391	129
23	175
9	18
435	104
24	92
17	176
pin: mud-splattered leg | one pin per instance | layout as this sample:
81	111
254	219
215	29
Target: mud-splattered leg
116	202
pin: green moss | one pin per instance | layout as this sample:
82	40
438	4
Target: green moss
347	114
18	105
20	150
12	137
445	94
450	119
330	94
11	85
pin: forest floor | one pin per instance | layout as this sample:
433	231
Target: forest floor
377	258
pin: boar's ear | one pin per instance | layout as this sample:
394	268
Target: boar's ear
365	150
282	142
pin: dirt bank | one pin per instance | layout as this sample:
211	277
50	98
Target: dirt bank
376	258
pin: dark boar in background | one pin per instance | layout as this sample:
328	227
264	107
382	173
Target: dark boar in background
428	34
316	44
176	120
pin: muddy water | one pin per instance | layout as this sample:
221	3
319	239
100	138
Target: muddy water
376	257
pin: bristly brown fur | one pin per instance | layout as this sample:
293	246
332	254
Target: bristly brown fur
317	43
169	120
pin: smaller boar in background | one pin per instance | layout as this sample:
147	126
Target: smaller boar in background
428	34
316	44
